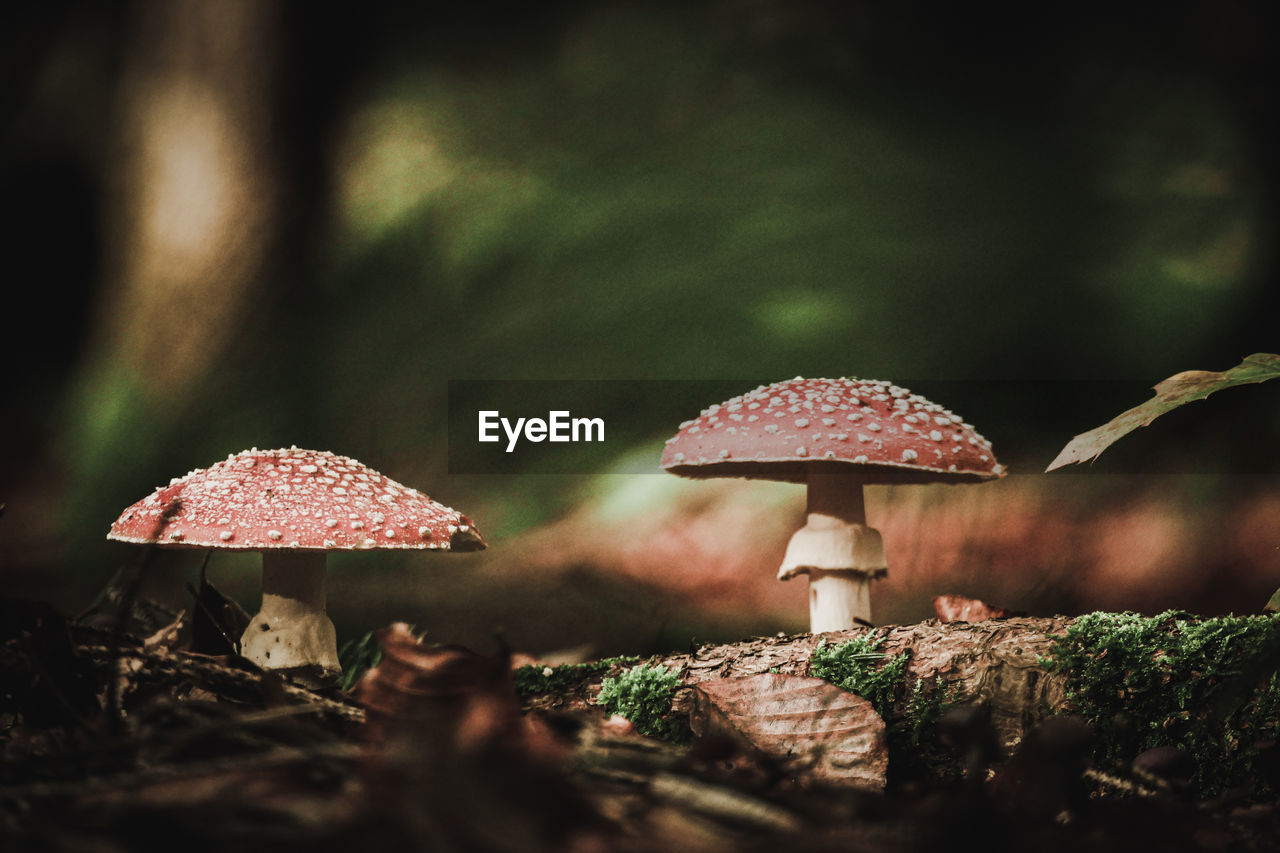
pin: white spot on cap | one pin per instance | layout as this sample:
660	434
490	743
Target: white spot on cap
274	535
308	469
724	454
225	535
802	451
935	435
770	428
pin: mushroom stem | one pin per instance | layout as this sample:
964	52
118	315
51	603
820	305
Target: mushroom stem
291	631
839	552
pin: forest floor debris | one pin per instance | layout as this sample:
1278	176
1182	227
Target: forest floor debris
439	751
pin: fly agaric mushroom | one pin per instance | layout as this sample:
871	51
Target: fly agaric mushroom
294	506
834	435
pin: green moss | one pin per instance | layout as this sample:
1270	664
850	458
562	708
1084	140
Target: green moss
920	723
856	666
533	680
643	695
1208	686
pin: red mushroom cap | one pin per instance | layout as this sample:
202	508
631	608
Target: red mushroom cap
785	430
293	499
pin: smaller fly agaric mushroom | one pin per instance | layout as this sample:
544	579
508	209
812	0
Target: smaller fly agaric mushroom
835	435
294	506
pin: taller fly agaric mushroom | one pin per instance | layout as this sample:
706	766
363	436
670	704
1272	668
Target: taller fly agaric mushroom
835	435
294	506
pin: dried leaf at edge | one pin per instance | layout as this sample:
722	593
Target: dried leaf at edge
1177	390
1273	604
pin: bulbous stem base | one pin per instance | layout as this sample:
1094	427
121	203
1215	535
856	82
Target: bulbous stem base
292	633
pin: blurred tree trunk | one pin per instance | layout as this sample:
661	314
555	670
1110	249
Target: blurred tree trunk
195	204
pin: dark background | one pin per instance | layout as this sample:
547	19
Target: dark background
271	223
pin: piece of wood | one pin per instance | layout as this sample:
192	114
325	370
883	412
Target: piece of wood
996	660
812	729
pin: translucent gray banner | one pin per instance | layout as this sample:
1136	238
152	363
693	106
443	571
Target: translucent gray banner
590	426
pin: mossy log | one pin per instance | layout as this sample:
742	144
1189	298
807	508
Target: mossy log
999	661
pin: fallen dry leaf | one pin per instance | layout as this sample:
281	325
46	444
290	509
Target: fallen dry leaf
812	728
1273	604
1177	390
957	608
436	687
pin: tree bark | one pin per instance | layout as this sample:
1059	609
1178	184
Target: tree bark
998	661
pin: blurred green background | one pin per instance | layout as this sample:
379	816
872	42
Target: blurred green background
258	222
